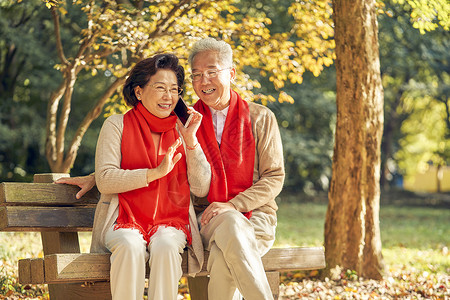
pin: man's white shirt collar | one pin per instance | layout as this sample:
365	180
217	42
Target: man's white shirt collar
218	118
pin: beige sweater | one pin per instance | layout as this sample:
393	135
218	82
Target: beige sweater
268	173
111	180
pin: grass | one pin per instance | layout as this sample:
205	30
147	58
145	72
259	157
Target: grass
300	224
415	227
415	237
415	232
401	226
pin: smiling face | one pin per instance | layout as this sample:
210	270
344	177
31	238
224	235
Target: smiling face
215	91
158	96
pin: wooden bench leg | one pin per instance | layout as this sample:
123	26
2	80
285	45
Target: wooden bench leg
274	282
198	287
63	242
60	242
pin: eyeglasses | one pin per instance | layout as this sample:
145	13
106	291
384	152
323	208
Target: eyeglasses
161	88
208	74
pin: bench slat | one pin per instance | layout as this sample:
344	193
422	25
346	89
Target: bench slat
83	267
69	219
291	259
76	267
95	267
50	194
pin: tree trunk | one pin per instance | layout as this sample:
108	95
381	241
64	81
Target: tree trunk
387	150
352	233
439	176
392	122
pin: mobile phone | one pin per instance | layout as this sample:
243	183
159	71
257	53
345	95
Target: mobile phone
181	111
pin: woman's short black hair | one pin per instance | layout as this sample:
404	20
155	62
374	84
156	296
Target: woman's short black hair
142	72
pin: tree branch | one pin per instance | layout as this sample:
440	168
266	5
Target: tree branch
100	54
59	46
163	24
91	116
52	110
71	77
23	20
56	134
6	72
444	100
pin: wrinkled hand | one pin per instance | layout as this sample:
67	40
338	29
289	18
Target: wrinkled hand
169	160
214	209
86	183
189	133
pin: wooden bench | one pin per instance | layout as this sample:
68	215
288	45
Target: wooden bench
53	210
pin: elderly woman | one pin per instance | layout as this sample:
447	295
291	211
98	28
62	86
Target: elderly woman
145	174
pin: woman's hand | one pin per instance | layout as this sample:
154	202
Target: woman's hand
86	183
189	133
167	164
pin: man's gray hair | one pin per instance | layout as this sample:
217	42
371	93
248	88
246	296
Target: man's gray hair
211	44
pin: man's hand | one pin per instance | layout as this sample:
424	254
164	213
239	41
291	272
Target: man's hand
214	209
86	183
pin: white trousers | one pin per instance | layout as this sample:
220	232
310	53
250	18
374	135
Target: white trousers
129	253
236	246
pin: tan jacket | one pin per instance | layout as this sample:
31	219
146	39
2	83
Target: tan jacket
268	173
111	180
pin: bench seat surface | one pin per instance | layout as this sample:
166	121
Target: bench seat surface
81	267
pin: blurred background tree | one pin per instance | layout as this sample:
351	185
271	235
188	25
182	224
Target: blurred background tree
26	76
415	72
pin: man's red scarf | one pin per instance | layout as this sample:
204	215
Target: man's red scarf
233	162
165	201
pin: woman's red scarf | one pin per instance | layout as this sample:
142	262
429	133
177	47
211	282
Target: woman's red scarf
164	202
233	162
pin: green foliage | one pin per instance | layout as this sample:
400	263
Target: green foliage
427	15
423	140
415	74
20	154
351	275
307	128
26	78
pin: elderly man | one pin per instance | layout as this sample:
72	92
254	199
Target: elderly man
242	143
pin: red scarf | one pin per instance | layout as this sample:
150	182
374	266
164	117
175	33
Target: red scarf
232	164
164	202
